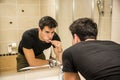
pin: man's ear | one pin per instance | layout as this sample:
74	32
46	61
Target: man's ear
39	29
76	38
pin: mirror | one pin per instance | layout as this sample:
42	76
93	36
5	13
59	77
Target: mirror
16	16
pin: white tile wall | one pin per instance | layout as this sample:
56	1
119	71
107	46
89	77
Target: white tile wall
116	21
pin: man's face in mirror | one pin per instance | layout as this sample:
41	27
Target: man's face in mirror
46	34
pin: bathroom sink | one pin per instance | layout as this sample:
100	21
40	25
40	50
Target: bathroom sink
49	78
56	78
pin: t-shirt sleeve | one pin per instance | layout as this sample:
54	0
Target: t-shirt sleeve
27	41
68	65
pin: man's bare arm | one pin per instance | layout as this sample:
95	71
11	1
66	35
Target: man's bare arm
71	76
57	49
32	61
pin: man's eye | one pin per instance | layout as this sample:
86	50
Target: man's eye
47	32
53	32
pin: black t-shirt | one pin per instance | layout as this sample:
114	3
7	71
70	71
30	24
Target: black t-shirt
30	40
95	60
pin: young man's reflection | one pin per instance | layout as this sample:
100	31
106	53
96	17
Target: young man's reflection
35	41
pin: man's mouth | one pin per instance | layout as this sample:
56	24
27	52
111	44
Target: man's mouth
49	40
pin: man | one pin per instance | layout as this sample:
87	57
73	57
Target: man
94	59
35	41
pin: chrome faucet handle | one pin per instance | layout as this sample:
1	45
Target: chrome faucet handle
52	63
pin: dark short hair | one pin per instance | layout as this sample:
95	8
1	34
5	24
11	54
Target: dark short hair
85	28
47	21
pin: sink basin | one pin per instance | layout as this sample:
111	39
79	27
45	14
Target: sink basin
49	78
56	78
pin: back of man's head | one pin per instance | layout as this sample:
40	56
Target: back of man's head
85	28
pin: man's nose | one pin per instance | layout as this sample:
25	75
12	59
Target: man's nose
50	35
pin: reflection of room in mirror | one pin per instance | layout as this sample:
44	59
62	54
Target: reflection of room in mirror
47	52
12	48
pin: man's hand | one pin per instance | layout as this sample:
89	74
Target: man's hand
56	43
57	49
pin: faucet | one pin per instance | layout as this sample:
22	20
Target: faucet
53	63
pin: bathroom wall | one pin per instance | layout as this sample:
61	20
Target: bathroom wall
115	31
82	8
103	20
67	12
64	18
16	16
108	24
48	7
